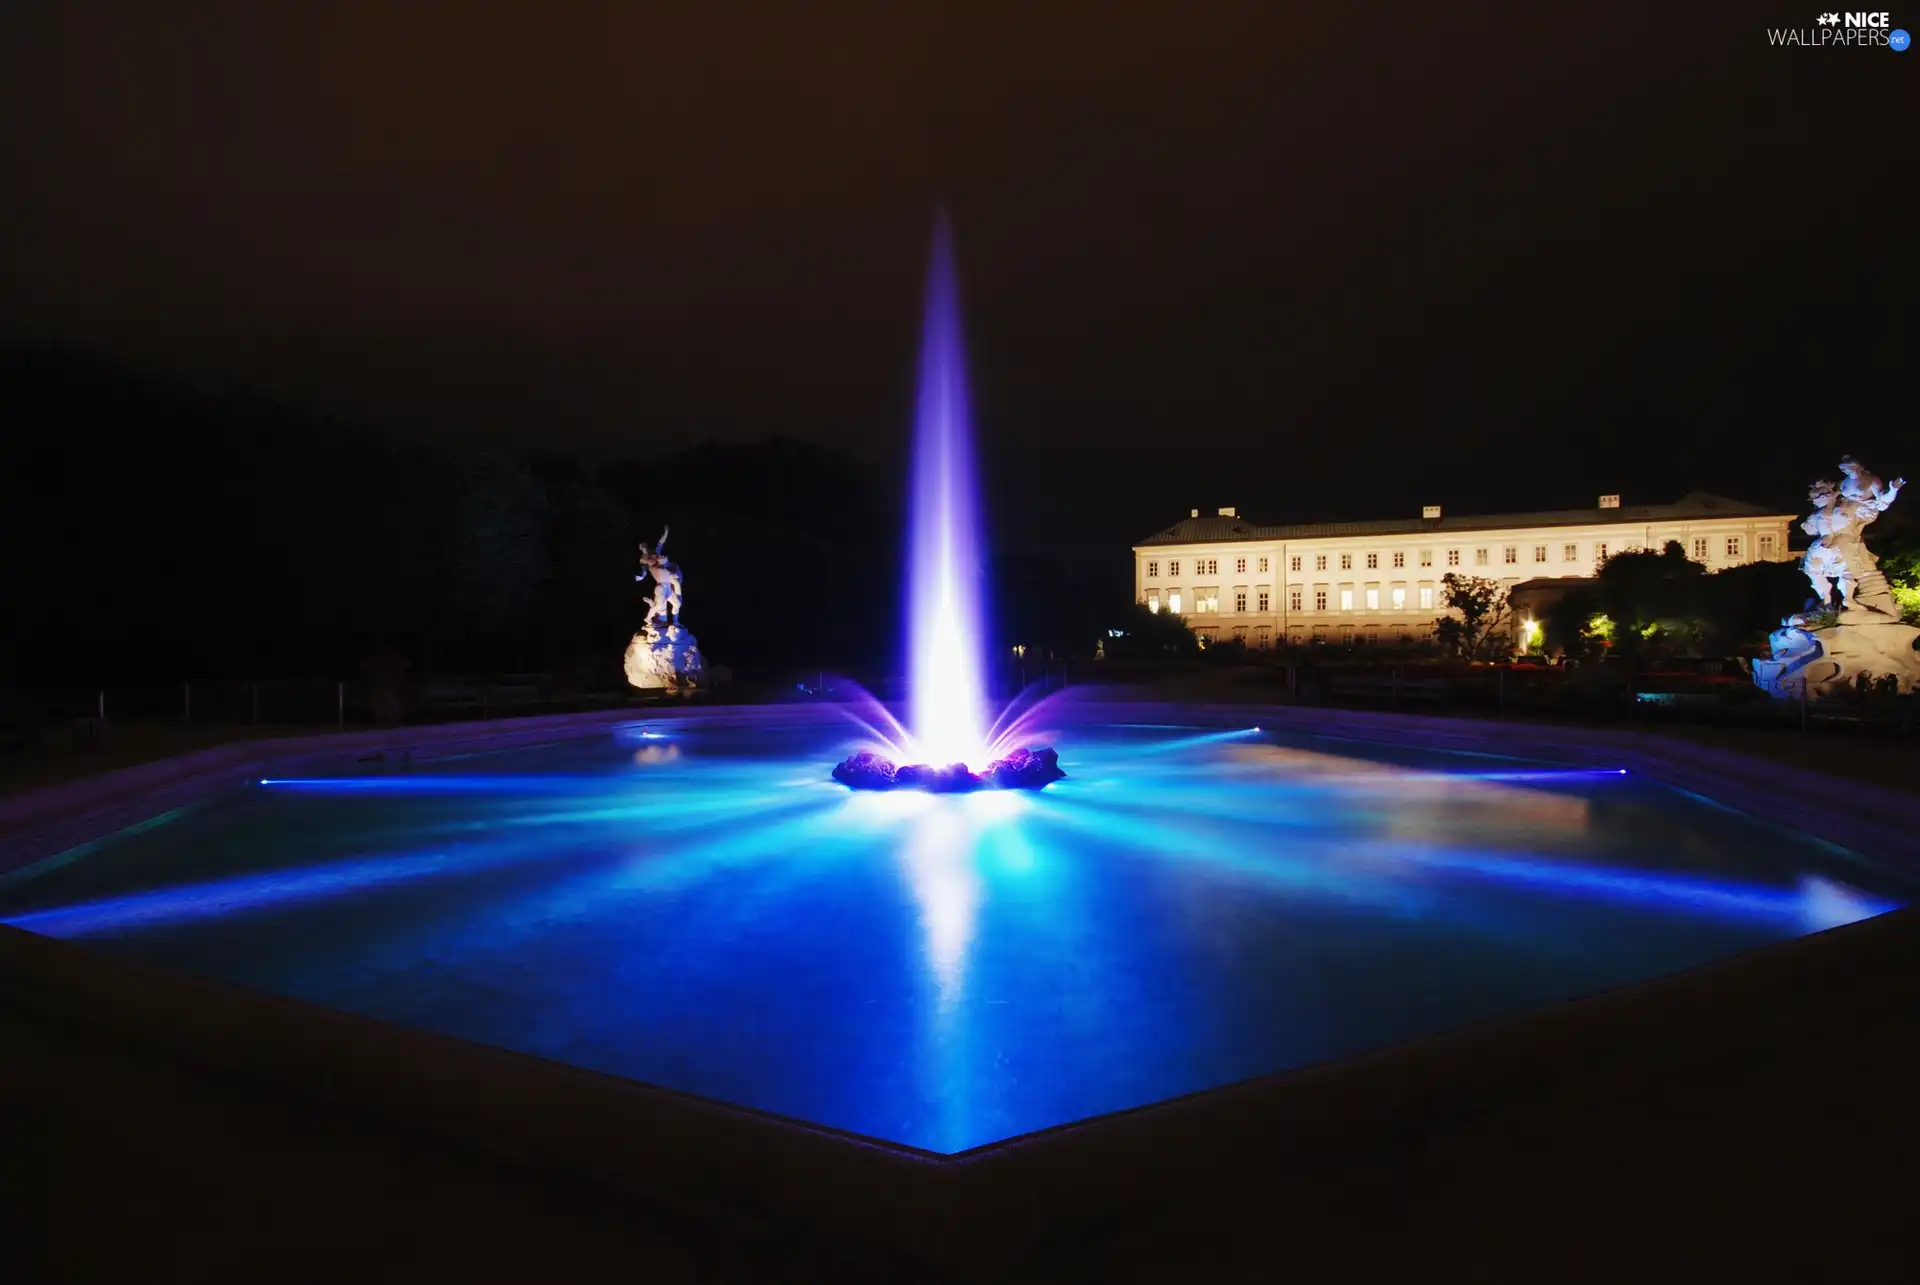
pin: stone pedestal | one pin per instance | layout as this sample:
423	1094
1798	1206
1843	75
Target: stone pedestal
666	660
1825	662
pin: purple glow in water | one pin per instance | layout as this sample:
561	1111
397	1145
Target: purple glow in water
947	695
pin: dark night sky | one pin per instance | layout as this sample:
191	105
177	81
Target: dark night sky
1316	261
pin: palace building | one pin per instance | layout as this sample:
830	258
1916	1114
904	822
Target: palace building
1379	582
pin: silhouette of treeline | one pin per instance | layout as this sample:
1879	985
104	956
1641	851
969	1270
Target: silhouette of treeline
154	532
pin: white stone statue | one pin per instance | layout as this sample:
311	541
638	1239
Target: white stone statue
1867	637
663	656
664	606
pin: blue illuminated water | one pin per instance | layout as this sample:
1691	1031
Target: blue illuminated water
701	908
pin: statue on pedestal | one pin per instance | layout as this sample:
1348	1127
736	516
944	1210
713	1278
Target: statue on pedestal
664	607
663	656
1866	636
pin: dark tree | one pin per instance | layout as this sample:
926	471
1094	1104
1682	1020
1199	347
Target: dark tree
1654	603
154	532
1897	545
1743	604
1152	635
1481	629
1568	624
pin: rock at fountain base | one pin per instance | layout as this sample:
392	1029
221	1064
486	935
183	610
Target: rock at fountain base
666	660
1829	661
865	771
1026	769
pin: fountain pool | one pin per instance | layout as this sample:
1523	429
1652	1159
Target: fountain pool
692	904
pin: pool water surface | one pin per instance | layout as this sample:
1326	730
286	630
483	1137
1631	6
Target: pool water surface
701	908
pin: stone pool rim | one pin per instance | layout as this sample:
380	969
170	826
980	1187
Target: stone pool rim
739	1167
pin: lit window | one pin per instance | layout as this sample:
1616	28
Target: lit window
1510	554
1426	596
1319	562
1453	558
1373	600
1426	557
1539	553
1346	600
1399	559
1153	600
1206	600
1399	597
1265	603
1700	548
1240	565
1293	600
1240	599
1733	546
1295	563
1153	568
1766	546
1479	557
1373	562
1346	562
1570	553
1319	599
1173	569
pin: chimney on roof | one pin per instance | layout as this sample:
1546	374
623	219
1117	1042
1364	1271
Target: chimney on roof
1609	501
1430	511
1228	512
1193	513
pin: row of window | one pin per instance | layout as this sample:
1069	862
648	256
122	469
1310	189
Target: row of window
1262	637
1208	566
1207	601
1509	556
1763	544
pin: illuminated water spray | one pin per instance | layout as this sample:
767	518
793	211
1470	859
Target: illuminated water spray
947	704
946	741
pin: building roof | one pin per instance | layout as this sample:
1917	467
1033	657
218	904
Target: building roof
1692	506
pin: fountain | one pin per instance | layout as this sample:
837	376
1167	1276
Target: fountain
944	599
1825	650
680	897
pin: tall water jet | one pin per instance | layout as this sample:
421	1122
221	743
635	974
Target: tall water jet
947	690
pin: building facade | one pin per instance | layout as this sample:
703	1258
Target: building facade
1379	582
